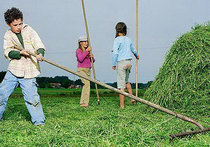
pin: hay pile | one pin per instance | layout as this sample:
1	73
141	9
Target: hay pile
183	80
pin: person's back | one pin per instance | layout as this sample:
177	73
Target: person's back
125	48
121	59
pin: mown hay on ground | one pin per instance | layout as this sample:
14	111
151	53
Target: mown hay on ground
183	80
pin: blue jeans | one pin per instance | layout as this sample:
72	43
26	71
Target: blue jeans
31	97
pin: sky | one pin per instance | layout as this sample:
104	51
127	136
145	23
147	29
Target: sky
59	23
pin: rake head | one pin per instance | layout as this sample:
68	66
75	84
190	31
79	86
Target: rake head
185	134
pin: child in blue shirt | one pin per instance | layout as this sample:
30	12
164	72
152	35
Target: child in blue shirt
121	59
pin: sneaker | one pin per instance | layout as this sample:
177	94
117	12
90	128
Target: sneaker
39	124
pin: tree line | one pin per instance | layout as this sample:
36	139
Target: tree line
65	82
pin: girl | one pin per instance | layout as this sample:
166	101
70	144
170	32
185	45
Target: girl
121	59
84	67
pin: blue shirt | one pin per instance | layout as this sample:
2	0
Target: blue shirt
122	49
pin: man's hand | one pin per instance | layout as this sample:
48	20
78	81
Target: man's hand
24	52
39	57
114	67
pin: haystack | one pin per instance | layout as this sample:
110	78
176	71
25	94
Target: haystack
183	82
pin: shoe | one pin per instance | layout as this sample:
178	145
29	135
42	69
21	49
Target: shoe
39	124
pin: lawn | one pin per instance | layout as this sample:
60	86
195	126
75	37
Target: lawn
67	124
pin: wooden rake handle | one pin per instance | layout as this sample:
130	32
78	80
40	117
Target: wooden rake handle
185	118
88	36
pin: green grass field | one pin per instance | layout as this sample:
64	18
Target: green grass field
67	124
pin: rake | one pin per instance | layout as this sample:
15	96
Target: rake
180	116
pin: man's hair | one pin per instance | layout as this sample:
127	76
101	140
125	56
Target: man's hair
12	14
120	28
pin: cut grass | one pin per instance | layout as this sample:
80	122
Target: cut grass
67	124
183	80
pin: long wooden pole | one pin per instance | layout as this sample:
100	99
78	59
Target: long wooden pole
121	92
137	41
88	36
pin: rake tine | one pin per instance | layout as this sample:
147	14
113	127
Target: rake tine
184	134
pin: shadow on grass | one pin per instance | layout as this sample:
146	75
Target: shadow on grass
16	112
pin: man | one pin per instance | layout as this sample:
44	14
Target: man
23	68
